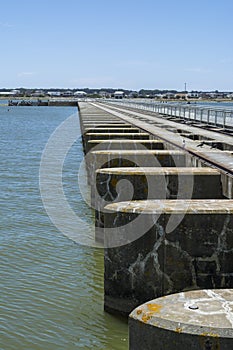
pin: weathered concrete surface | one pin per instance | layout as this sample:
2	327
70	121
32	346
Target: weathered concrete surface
89	134
96	124
124	145
117	135
108	130
102	123
128	158
158	247
195	320
111	136
92	116
205	182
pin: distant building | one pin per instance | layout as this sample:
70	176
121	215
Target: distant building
6	93
54	93
193	94
38	93
181	95
80	94
213	94
67	93
169	95
118	94
16	92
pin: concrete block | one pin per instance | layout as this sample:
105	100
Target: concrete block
158	247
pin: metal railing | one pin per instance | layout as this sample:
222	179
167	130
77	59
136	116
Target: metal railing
219	117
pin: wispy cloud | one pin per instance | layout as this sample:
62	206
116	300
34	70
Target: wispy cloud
25	74
6	25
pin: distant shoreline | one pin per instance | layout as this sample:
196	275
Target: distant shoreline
136	99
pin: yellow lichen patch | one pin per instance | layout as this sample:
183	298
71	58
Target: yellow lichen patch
209	334
178	330
139	312
146	317
214	336
154	307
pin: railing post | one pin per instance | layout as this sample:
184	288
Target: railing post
201	115
221	117
224	119
208	117
195	113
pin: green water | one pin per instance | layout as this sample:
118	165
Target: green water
51	288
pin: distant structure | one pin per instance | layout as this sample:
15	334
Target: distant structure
54	93
119	94
80	94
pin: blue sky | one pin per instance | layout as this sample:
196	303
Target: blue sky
121	44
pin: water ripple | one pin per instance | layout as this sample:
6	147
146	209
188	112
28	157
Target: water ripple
51	294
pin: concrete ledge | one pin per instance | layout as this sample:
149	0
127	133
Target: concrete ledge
131	158
201	183
187	206
112	130
124	144
121	184
114	124
192	320
142	158
112	135
86	137
117	135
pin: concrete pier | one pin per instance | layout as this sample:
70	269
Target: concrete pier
195	320
159	247
167	224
